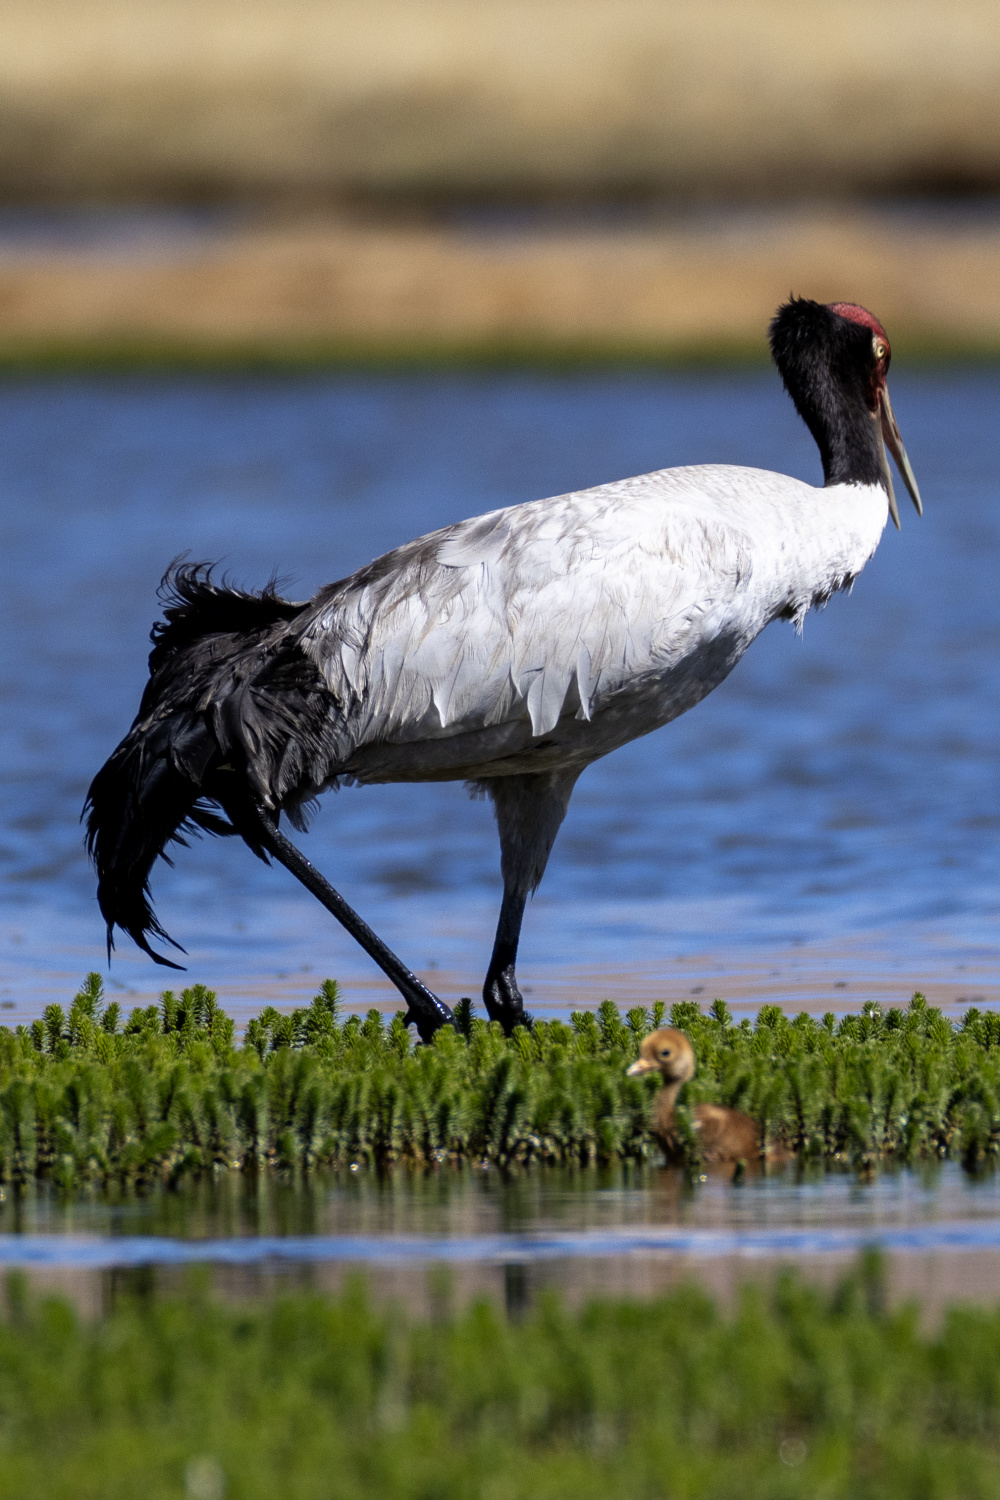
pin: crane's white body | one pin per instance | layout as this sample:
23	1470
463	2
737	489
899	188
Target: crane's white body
537	638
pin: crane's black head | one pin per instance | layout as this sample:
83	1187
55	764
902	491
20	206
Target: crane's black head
834	359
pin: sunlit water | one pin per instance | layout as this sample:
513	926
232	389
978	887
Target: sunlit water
824	826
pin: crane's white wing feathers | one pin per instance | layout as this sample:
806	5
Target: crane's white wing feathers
555	605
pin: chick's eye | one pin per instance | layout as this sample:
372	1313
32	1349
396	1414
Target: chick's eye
665	1052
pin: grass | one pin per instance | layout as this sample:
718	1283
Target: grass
793	1392
542	352
89	1096
99	354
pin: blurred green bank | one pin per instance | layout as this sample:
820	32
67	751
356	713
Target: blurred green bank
790	1393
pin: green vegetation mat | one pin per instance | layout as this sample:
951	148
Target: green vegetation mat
792	1393
92	1097
99	355
376	355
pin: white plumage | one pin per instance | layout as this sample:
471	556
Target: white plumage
542	636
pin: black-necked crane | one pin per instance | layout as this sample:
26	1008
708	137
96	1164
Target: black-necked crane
508	651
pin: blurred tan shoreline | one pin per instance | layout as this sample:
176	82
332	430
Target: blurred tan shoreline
342	289
324	101
733	148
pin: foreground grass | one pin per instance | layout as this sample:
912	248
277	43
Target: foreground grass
91	1096
793	1393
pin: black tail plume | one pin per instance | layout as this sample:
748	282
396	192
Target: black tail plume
138	803
233	708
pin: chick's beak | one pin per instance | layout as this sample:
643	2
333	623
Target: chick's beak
642	1065
894	443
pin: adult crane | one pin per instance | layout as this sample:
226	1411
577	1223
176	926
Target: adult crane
508	651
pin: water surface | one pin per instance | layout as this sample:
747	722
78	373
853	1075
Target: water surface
469	1203
823	827
420	1236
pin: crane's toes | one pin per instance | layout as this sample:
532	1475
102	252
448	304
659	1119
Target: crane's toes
503	1000
427	1013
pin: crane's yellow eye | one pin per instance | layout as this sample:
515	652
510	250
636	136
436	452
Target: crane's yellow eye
880	350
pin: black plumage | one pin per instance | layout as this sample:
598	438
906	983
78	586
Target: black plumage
828	367
233	709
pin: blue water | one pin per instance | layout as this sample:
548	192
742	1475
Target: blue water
839	793
377	1250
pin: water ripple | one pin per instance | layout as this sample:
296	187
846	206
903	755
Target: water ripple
33	1250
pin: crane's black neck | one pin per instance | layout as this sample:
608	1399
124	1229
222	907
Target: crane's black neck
828	366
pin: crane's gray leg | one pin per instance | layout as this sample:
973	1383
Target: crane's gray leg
529	811
425	1010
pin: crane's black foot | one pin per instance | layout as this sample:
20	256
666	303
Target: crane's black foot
503	999
426	1012
426	1024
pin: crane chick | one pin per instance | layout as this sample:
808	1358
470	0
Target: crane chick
724	1135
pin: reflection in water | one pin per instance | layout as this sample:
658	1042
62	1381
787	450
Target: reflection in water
466	1201
436	1239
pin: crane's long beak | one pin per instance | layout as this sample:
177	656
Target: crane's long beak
642	1065
894	443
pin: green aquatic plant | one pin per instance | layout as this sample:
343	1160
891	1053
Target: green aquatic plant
91	1095
790	1392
